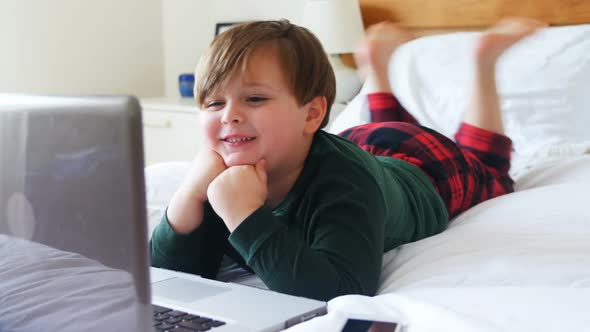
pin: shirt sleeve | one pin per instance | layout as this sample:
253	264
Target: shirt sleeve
334	247
384	107
199	252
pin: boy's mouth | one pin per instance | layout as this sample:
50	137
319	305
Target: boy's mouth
237	139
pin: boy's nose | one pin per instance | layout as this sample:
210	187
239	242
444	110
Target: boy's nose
232	114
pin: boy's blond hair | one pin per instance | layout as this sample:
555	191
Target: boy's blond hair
303	61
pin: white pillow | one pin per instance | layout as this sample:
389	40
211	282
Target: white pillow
161	182
543	83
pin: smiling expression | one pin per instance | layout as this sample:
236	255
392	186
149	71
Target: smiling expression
254	115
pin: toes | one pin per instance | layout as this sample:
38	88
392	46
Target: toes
517	26
503	35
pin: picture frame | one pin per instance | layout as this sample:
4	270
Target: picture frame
222	26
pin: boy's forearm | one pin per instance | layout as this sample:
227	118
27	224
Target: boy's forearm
198	252
282	259
185	212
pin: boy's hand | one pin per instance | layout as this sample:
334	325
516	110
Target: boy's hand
206	167
238	192
185	212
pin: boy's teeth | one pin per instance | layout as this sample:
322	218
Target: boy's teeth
235	140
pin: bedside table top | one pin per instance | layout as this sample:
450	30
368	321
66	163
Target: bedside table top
173	104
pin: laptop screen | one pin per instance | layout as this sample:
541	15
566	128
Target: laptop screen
73	239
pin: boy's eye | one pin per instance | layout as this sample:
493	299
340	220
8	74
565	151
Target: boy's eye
256	99
214	104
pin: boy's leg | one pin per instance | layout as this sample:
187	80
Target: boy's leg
482	131
372	59
484	110
476	167
481	135
461	179
374	52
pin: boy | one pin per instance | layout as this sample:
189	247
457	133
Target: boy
309	212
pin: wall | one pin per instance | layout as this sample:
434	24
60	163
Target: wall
81	46
111	46
189	26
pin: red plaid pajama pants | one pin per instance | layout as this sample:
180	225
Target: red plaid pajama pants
465	173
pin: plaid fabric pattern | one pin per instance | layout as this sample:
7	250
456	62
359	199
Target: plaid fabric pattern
465	173
384	108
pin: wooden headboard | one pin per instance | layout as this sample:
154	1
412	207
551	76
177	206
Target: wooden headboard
471	14
427	17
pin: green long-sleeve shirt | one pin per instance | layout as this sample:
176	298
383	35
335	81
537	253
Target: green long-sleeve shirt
328	236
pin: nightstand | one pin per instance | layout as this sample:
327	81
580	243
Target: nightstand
170	129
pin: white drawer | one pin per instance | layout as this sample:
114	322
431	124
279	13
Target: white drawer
170	136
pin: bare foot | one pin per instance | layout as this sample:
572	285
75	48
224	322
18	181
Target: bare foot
381	40
501	36
374	52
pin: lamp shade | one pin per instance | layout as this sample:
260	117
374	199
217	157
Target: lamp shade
337	24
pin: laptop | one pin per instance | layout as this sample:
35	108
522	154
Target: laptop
73	231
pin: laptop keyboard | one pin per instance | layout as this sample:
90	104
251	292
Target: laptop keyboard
166	319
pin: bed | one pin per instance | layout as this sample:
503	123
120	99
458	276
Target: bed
520	262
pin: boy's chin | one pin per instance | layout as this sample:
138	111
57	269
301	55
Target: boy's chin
233	161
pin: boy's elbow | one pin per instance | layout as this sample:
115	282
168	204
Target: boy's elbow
367	286
370	286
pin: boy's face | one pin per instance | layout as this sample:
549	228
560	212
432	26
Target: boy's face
255	116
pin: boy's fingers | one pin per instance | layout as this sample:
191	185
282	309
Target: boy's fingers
216	155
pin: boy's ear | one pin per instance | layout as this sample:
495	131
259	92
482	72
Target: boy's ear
316	111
